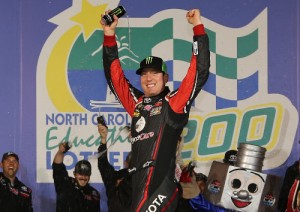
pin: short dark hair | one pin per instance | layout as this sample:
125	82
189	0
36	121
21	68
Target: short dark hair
201	177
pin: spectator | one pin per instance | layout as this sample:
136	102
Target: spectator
14	195
74	194
293	203
189	188
292	174
117	183
230	157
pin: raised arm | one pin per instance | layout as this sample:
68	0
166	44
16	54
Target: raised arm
60	174
194	17
59	156
109	30
107	171
117	82
198	71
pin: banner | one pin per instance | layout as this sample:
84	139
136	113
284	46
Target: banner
251	95
233	107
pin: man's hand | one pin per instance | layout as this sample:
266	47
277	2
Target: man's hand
62	148
109	30
193	16
103	131
59	156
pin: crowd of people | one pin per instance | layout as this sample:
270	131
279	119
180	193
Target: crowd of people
148	181
75	193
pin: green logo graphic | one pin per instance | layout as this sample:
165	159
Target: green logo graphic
149	60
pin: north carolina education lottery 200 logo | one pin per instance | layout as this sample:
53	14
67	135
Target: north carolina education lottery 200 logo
234	106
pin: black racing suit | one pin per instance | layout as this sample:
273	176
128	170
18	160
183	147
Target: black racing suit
72	197
118	193
16	197
157	123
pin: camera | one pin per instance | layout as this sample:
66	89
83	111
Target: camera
67	146
100	120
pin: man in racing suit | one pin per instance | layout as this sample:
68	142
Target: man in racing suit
14	195
158	115
74	194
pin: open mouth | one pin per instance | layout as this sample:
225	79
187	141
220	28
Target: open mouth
240	203
150	85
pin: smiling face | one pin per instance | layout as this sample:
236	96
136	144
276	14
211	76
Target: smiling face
82	180
10	167
153	81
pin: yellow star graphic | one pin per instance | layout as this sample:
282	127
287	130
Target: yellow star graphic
89	18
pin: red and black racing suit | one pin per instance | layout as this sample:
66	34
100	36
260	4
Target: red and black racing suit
157	123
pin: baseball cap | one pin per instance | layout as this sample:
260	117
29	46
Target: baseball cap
230	157
83	167
152	62
8	154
